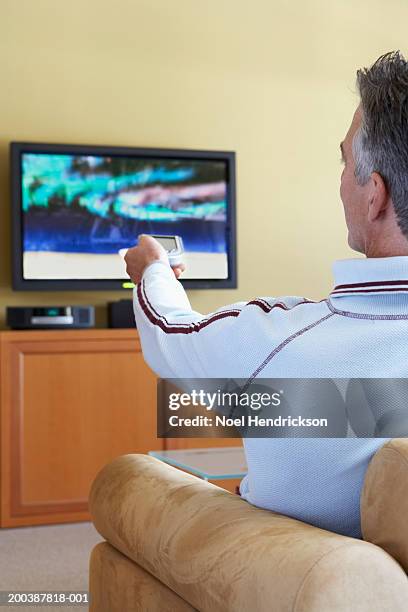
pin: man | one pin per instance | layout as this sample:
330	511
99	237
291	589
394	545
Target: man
361	330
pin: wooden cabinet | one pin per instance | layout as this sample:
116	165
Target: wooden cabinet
70	402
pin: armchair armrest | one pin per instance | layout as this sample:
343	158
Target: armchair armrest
219	553
384	500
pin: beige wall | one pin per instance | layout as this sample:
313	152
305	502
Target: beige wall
272	80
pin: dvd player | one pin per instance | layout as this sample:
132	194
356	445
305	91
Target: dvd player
50	317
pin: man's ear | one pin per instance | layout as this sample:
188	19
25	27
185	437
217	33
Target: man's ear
378	197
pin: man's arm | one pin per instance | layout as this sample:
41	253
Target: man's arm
176	341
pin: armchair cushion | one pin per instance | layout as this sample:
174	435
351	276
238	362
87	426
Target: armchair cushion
219	553
384	500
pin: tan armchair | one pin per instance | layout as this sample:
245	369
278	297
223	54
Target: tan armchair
176	543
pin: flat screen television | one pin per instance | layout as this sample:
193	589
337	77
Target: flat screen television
75	208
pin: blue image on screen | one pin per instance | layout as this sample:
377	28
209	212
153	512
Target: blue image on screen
100	204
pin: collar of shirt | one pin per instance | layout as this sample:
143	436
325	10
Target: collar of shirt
377	286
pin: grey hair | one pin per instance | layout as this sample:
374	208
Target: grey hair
381	143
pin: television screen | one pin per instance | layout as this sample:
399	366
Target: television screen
76	208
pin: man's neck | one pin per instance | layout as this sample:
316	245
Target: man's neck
389	246
388	252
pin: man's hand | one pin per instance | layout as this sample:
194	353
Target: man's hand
146	252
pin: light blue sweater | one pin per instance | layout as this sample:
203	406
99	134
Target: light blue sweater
359	331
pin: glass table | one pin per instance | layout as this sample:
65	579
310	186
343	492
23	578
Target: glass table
222	463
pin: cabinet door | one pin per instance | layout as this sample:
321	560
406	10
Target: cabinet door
70	403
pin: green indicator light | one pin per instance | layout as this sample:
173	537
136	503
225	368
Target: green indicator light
128	285
52	312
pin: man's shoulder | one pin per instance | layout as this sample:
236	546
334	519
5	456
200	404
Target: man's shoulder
283	316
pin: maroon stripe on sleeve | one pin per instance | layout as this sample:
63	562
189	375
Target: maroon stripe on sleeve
262	305
187	328
159	316
268	307
176	328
